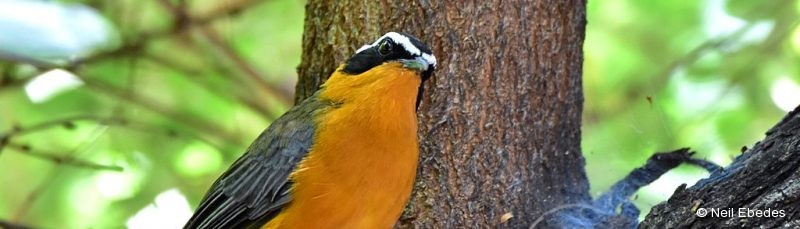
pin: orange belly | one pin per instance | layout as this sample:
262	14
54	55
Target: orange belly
361	168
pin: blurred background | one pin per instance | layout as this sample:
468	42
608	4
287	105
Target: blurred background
121	113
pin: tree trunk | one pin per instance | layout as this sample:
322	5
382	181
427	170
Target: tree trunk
500	120
763	179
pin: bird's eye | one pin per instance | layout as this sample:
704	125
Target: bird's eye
385	48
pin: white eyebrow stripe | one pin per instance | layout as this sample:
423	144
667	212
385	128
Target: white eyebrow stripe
402	40
397	38
405	42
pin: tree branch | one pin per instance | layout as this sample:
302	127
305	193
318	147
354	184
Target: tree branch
245	67
11	225
763	178
613	209
247	100
5	141
60	159
162	110
224	9
184	21
69	123
62	122
228	51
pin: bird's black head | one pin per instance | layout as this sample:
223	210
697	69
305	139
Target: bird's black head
393	46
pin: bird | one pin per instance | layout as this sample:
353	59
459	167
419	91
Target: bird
345	157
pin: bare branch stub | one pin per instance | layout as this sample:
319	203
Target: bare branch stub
765	177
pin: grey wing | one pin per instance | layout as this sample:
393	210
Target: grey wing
256	186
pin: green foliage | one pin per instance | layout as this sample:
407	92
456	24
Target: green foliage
661	75
173	108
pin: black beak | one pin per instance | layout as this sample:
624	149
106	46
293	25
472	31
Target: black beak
425	76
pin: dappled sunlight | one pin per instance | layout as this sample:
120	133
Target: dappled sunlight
693	97
112	185
51	83
785	93
169	210
718	22
697	75
83	199
198	159
795	39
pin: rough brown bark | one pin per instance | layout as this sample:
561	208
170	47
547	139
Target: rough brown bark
766	177
500	122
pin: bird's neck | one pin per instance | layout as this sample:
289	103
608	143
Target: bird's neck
384	93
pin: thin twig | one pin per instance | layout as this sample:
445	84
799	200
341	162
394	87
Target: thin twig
225	9
222	10
11	225
189	72
199	20
5	137
60	159
61	122
178	13
701	50
229	52
68	122
163	110
132	47
3	142
34	195
242	64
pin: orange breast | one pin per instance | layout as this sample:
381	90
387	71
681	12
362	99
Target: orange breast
361	167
